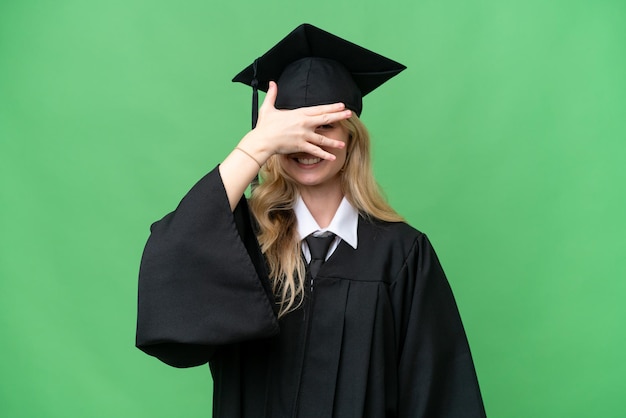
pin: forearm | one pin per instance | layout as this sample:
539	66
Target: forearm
241	166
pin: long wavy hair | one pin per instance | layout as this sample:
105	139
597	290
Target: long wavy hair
272	203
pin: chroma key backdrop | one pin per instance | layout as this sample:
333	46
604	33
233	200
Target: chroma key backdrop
504	141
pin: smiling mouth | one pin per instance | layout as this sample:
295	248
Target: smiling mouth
308	161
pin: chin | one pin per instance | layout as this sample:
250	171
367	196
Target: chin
307	182
316	181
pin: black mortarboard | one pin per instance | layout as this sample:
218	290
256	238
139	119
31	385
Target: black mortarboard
314	67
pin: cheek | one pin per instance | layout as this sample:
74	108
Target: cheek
345	150
342	159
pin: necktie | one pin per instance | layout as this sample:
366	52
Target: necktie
319	248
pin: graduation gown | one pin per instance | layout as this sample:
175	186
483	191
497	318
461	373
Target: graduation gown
378	333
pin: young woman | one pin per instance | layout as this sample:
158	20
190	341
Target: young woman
313	298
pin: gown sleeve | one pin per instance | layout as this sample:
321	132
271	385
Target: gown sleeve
202	280
436	372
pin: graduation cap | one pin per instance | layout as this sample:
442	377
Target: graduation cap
313	67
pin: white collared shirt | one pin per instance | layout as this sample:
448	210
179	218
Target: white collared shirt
344	225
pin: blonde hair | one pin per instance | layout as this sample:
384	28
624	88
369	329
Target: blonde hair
272	203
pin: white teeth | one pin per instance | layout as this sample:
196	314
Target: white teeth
309	161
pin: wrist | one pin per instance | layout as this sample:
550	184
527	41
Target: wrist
249	155
254	148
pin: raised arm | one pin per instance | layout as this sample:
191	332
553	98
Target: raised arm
279	132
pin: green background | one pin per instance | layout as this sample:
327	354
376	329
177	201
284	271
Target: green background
505	141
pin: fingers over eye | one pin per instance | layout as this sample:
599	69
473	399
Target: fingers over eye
324	141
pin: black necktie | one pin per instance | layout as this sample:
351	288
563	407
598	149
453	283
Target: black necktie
318	246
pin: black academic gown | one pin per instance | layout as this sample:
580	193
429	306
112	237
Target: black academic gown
378	334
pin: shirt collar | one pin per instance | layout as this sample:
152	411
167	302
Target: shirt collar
344	224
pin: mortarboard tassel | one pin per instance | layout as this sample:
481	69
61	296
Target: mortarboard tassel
255	94
255	111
